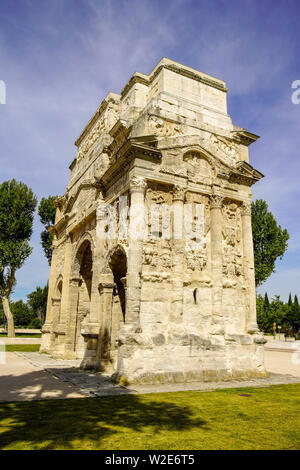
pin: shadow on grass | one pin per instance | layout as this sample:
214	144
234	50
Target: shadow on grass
86	422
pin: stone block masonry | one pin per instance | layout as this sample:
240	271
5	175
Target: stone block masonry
152	273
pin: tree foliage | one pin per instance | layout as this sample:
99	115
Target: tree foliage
269	241
17	206
29	314
285	315
37	301
46	211
22	313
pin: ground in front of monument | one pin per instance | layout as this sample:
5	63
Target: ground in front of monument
50	404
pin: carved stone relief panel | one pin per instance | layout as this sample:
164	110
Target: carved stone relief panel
157	256
98	137
232	244
198	168
226	150
163	128
172	163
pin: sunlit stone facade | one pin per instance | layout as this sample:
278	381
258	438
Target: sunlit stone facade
152	275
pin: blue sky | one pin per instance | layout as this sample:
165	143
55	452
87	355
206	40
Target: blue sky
59	59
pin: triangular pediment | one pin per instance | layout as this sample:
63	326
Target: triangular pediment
72	199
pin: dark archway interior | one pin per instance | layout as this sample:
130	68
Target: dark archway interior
118	265
86	267
59	290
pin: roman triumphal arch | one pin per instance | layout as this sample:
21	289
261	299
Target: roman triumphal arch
152	273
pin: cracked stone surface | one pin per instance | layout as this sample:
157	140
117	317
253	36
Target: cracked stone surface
98	384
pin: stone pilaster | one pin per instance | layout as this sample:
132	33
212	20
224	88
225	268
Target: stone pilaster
178	254
216	263
56	311
135	250
106	294
70	345
251	321
66	283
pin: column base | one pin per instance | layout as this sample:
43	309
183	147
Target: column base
253	328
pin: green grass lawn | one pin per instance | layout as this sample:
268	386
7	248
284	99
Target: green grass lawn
24	335
22	347
245	418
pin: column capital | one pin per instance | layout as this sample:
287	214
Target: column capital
137	184
216	201
75	281
101	211
106	286
178	192
246	208
68	238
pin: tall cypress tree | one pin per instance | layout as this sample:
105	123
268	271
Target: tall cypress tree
266	302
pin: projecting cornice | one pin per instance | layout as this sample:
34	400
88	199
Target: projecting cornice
127	153
59	226
245	174
242	136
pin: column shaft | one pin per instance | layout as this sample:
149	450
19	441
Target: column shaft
66	282
251	320
217	264
178	254
135	250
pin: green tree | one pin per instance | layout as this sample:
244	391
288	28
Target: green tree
22	313
2	316
266	302
261	314
292	318
269	241
277	310
17	206
46	211
37	300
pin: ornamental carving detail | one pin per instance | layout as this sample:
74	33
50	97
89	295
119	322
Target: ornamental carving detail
137	184
216	201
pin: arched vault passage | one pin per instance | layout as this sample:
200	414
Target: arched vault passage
86	241
117	262
83	272
58	287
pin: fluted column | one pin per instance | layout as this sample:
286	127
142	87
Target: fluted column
178	254
216	263
135	249
251	320
66	282
52	280
106	298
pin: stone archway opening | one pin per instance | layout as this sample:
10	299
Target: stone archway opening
118	266
58	297
86	268
85	260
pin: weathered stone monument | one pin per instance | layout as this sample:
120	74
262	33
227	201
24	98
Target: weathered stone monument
152	275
